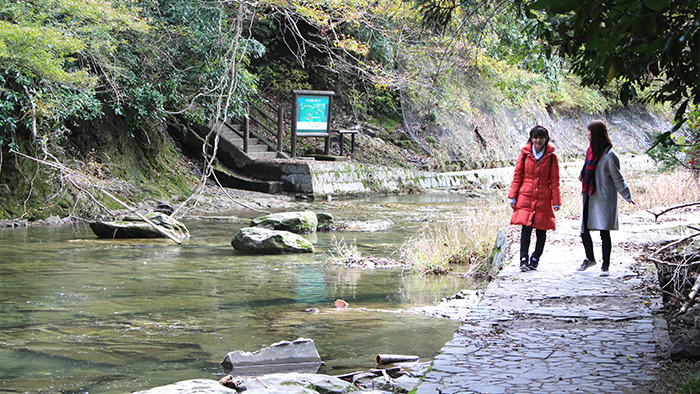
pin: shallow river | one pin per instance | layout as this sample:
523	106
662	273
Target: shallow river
78	314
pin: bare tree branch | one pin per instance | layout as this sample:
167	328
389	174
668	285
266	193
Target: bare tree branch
657	214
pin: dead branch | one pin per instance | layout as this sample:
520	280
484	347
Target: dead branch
72	173
227	87
674	243
671	208
383	359
691	296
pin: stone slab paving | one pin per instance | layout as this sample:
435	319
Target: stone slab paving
557	330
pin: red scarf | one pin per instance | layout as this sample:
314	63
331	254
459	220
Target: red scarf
588	173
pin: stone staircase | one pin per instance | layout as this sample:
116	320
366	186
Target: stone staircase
257	170
257	149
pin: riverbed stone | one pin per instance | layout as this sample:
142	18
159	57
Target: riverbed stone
288	382
264	241
364	225
299	355
304	222
135	227
325	221
193	386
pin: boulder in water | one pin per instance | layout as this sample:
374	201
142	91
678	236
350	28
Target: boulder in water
264	241
135	227
304	222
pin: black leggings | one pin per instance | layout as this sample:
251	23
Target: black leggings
588	241
525	236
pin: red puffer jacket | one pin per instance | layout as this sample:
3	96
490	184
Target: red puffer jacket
535	187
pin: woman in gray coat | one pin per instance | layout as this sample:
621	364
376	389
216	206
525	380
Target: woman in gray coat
602	181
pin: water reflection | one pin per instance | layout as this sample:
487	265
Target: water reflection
80	314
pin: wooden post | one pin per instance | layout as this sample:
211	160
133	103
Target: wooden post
246	129
294	125
327	148
280	128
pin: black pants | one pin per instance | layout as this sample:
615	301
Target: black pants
525	236
588	241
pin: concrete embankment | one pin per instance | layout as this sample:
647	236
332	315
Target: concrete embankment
333	178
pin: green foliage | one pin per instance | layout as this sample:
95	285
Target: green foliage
648	46
631	41
680	148
280	76
644	51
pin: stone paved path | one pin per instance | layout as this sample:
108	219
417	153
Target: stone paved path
556	330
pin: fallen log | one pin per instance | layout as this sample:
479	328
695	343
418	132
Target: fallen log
68	171
383	359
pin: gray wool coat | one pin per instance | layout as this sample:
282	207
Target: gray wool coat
602	206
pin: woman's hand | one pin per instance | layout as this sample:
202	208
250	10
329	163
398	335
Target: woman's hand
556	208
512	206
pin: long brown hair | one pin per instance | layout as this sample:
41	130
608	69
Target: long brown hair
600	140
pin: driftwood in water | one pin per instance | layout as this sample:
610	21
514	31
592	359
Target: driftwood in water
394	358
61	167
393	372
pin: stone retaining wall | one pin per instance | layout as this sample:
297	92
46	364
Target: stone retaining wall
332	178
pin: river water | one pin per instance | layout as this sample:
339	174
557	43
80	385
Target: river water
79	314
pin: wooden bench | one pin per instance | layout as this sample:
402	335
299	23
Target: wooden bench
341	141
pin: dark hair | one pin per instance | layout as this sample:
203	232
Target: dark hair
539	131
600	140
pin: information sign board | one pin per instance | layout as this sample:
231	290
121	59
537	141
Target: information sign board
312	114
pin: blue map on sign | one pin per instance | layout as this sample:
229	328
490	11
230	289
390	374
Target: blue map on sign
312	113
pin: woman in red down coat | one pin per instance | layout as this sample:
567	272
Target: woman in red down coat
534	194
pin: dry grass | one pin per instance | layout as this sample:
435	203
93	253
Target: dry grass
678	377
658	189
467	241
650	189
341	252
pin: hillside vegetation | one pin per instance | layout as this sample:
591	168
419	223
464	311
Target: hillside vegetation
89	89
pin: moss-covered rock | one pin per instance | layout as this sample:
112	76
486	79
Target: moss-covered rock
325	221
304	222
265	241
135	227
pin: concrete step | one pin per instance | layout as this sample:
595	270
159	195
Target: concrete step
263	155
229	179
233	126
257	148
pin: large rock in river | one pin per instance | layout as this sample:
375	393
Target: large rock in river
304	222
299	355
135	227
264	241
325	221
287	383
